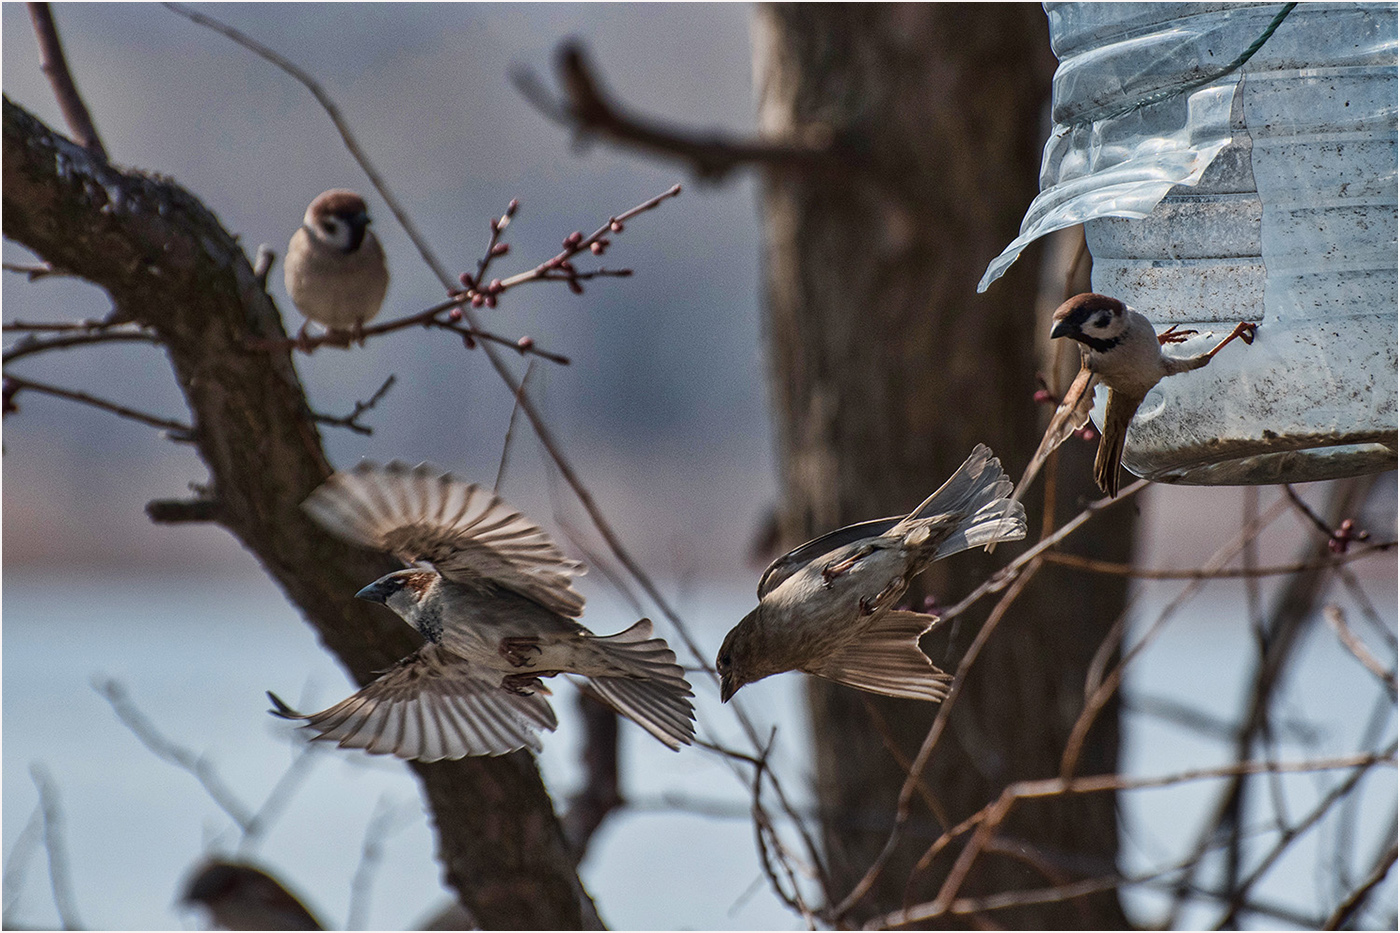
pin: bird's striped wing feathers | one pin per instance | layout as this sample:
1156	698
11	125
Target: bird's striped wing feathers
431	706
466	532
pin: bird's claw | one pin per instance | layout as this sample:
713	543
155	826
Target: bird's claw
523	684
1172	335
517	650
836	568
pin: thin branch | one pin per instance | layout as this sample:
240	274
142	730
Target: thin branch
1225	573
711	156
34	272
371	852
15	384
58	852
990	817
1358	649
166	750
352	420
1357	899
17	863
30	344
935	732
54	64
510	429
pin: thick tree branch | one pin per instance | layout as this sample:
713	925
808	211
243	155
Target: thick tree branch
712	156
166	261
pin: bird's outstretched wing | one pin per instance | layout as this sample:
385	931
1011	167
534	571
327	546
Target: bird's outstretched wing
804	554
466	532
429	707
887	659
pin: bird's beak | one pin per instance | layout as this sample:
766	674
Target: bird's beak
376	592
1062	328
726	689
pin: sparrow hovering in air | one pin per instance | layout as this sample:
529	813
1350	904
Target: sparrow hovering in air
1120	348
335	271
826	607
492	595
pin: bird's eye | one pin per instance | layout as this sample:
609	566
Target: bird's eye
723	663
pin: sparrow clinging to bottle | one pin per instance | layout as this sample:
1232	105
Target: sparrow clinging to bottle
335	270
1120	348
827	607
492	595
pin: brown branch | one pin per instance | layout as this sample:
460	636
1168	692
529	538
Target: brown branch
1356	899
54	64
935	732
712	156
30	344
990	817
1114	568
352	420
184	511
15	384
1358	649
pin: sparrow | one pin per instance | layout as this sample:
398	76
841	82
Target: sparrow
242	897
1120	348
335	271
492	595
827	607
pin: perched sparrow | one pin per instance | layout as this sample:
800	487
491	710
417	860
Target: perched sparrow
493	597
825	608
241	897
335	268
1119	347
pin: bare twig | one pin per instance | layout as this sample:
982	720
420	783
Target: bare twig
58	852
352	420
510	428
990	817
55	65
371	852
15	384
30	345
1224	573
711	156
1357	899
166	750
34	272
935	732
1358	649
17	863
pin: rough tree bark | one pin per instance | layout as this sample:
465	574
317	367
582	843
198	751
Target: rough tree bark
167	263
886	369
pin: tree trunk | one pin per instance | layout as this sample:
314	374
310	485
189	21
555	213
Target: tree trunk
886	369
168	264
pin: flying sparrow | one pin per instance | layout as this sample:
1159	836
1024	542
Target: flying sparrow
335	269
242	897
827	607
1119	347
492	595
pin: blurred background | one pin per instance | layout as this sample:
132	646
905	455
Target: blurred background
663	411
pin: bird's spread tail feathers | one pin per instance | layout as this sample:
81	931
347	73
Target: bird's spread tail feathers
977	495
658	697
